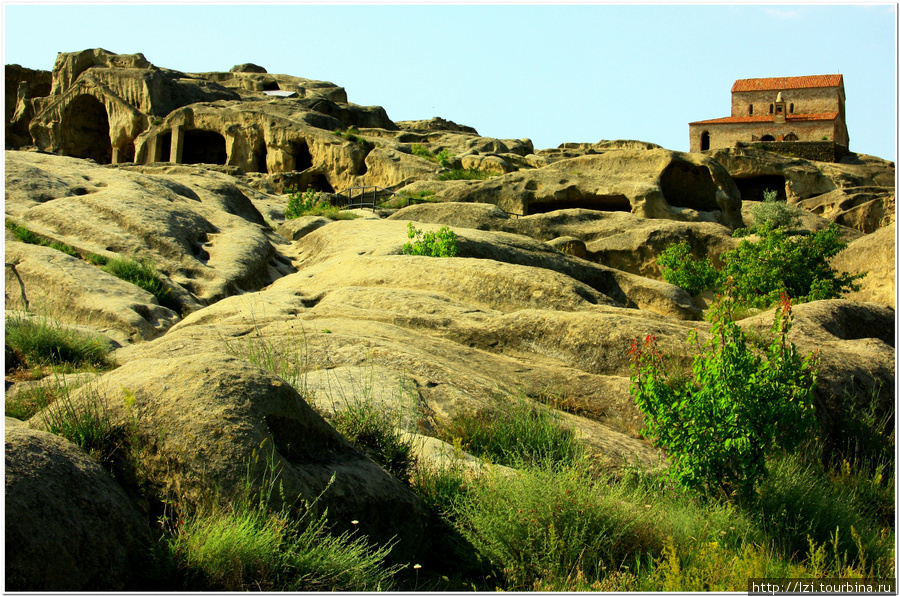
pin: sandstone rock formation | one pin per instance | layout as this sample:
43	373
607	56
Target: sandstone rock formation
556	275
69	525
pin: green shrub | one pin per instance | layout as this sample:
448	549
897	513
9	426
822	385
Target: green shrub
761	271
40	341
778	214
718	425
431	244
681	268
521	434
465	174
144	275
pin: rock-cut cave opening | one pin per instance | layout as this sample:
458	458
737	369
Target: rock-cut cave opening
85	130
752	187
597	203
689	186
204	146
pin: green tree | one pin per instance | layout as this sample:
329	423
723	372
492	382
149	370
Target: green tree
681	268
718	424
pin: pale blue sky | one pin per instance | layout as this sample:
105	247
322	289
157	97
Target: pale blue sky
552	73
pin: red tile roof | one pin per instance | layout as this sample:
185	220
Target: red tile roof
825	116
782	83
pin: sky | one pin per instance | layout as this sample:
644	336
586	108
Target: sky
553	73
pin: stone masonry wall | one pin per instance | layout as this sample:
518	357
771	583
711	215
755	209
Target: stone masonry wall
812	150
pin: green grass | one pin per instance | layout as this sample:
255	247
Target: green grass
245	544
522	432
144	275
466	174
374	429
28	237
42	342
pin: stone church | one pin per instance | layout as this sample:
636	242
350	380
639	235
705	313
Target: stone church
808	109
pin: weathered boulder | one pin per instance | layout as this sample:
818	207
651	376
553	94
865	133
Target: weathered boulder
436	123
569	150
22	86
795	179
865	208
42	278
69	526
874	255
202	424
200	228
619	240
654	183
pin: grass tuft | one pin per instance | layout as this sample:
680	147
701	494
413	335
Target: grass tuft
145	276
40	341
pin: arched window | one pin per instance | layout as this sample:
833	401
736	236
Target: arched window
791	137
767	138
751	109
771	108
792	108
704	140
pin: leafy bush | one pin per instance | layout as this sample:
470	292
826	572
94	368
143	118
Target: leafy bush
143	274
718	426
681	268
778	214
776	264
39	341
760	272
431	244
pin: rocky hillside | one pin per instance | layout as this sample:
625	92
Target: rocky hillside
556	275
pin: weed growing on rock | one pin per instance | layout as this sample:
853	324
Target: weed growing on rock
28	237
431	244
778	214
442	158
719	425
680	268
144	275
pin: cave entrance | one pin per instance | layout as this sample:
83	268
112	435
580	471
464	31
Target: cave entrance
599	203
320	183
85	130
752	187
261	163
302	157
271	86
164	147
690	186
204	146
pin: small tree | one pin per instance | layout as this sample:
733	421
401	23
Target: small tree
718	424
777	213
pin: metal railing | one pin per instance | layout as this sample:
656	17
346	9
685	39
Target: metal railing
370	197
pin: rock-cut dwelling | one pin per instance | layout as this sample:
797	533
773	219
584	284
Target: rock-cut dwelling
808	109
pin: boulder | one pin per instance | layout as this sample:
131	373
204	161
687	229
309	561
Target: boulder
200	228
654	183
795	179
865	208
874	255
69	526
201	424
